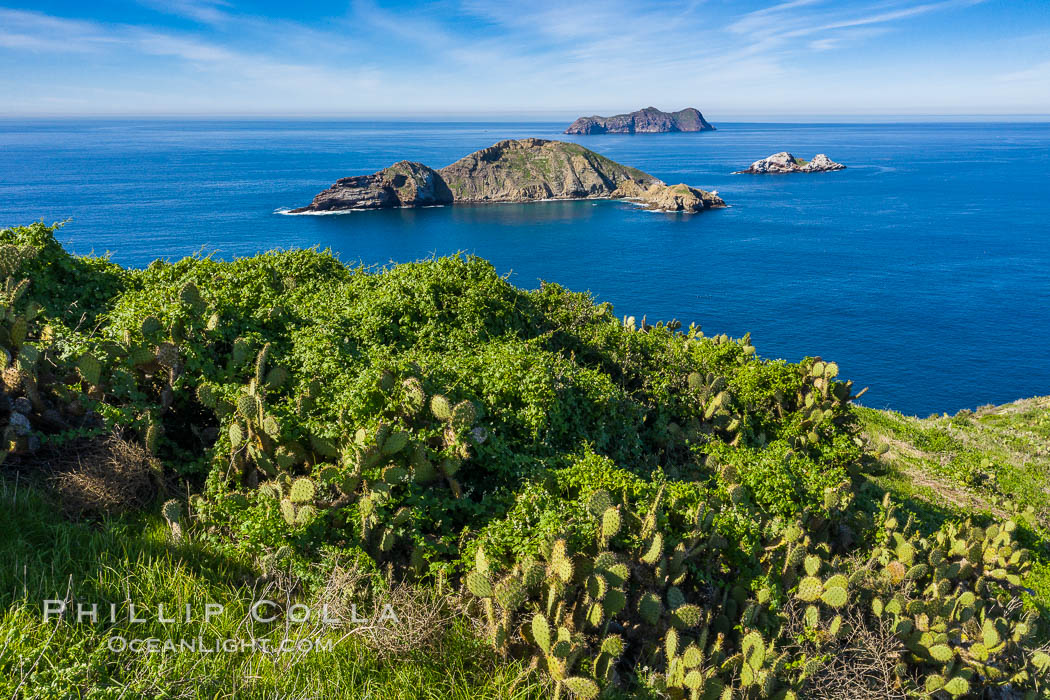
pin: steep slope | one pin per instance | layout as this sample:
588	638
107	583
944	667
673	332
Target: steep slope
531	169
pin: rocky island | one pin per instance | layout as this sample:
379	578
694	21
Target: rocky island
525	170
784	162
645	121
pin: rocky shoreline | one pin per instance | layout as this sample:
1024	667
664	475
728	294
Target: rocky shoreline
525	170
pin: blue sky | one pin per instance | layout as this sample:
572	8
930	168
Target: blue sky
733	59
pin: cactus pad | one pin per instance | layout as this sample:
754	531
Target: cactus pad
463	415
152	437
597	586
692	656
305	514
440	407
414	394
610	523
541	632
957	686
613	646
835	596
302	490
172	511
614	602
582	687
812	564
754	649
599	502
809	589
236	435
941	652
90	369
654	551
686	616
596	615
811	616
479	584
671	644
395	442
277	377
509	593
650	608
288	511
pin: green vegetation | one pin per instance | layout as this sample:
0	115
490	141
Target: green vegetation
617	507
986	462
46	557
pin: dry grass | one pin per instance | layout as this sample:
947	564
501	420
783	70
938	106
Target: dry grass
106	474
858	665
423	614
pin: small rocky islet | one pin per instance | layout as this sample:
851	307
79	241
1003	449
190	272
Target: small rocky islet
784	162
645	121
524	170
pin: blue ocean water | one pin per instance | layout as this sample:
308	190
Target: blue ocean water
923	269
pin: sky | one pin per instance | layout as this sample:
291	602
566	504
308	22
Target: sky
733	59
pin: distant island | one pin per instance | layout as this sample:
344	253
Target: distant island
645	121
784	162
525	170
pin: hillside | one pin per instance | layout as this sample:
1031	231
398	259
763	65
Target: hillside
527	169
561	501
994	460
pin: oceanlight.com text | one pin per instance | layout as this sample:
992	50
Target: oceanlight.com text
199	645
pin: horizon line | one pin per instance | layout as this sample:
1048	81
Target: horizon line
531	116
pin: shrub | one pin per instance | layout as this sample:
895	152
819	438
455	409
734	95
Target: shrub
626	503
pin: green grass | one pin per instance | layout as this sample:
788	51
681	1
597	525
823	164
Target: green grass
987	462
45	556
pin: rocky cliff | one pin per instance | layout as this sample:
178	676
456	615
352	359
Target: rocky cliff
645	121
403	184
532	169
784	162
526	170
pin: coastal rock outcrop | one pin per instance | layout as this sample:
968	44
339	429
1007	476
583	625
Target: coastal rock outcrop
671	198
525	170
403	184
784	162
645	121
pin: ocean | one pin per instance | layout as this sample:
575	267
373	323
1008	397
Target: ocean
923	269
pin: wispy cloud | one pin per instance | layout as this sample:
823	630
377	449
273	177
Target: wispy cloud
1037	73
823	15
464	55
215	68
215	12
768	17
38	32
847	38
